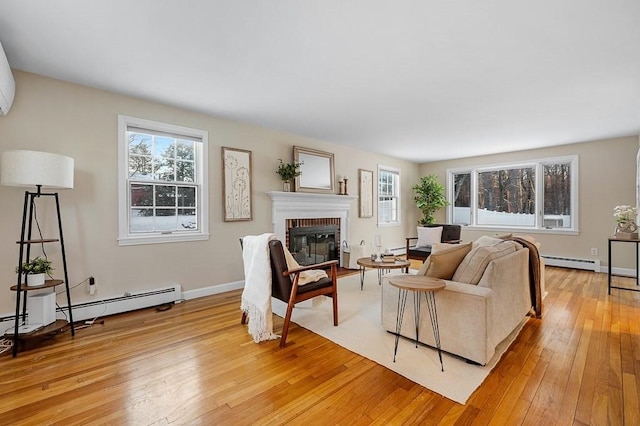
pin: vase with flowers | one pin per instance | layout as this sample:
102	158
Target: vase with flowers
288	171
626	226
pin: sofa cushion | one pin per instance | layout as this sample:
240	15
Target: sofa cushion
434	248
428	236
444	261
424	266
475	262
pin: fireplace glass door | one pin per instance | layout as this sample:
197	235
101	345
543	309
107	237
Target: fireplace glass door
313	244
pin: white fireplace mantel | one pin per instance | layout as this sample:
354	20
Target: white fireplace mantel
306	205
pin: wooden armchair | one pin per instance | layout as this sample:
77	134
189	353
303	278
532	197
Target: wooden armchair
284	285
450	234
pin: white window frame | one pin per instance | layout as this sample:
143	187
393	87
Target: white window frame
395	170
539	223
125	237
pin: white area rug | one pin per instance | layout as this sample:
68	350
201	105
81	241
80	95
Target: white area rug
360	330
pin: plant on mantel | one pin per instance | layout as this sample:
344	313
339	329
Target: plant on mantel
288	171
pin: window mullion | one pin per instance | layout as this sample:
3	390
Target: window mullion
539	207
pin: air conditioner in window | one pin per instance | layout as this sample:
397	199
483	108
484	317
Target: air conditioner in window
7	84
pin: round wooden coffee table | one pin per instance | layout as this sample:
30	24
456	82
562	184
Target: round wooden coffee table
366	262
418	284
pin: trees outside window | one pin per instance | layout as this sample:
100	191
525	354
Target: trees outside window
510	191
558	195
537	194
461	198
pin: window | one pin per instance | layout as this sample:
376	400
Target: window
540	194
461	198
388	196
162	182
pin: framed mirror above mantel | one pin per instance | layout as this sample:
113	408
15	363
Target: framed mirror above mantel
318	172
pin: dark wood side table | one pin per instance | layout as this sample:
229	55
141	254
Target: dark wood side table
418	284
609	268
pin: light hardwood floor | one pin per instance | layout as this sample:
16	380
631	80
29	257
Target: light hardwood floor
195	364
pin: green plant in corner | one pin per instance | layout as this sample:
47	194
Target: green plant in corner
429	197
288	171
37	265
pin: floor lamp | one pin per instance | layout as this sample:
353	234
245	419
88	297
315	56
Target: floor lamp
41	170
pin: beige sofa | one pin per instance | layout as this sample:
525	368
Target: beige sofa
473	318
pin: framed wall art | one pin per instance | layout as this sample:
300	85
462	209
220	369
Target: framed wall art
236	183
365	193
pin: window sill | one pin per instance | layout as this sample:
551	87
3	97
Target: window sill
389	224
161	239
502	229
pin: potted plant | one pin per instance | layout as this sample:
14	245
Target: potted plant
288	171
35	271
429	197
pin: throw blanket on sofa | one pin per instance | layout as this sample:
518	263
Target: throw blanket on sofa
256	296
534	274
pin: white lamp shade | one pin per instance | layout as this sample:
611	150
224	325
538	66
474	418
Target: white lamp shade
31	168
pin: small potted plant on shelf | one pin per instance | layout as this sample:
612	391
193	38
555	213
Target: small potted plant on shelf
35	271
288	171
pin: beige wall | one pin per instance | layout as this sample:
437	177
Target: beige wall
607	176
59	117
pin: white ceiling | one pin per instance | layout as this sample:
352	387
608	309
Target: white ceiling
423	80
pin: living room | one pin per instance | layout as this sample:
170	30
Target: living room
66	113
80	119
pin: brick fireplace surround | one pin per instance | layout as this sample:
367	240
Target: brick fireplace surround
286	206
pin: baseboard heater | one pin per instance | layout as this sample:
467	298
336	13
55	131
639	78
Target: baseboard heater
572	262
398	251
129	302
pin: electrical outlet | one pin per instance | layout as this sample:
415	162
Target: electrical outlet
92	285
594	251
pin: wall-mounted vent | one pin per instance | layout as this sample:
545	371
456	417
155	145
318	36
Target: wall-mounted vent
398	251
573	262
